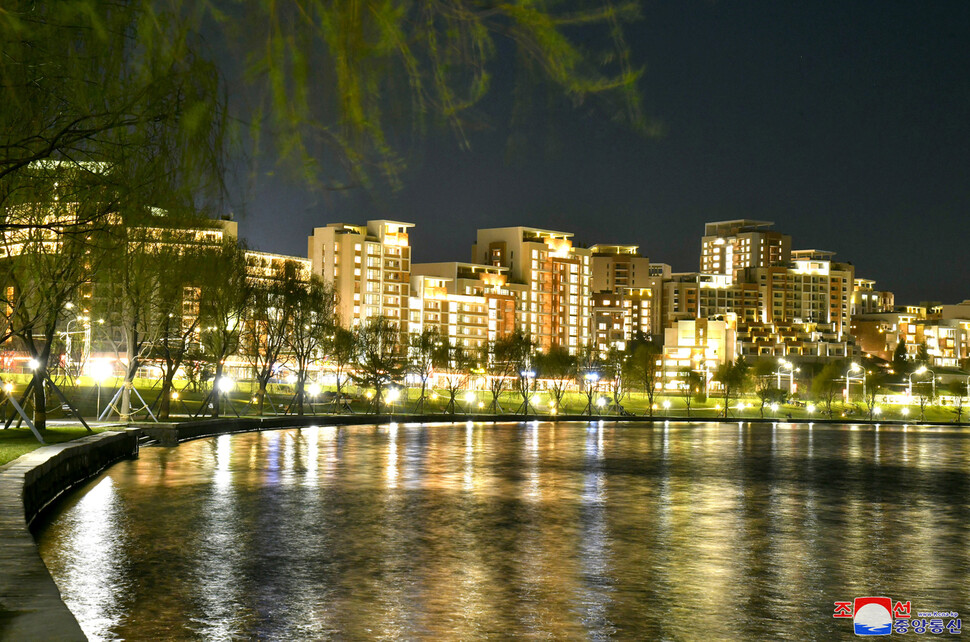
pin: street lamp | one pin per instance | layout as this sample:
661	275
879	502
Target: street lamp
923	370
783	364
591	380
855	367
225	384
100	371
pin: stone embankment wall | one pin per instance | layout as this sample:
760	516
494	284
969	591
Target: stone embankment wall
30	604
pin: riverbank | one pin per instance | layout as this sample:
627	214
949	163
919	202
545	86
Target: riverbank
30	603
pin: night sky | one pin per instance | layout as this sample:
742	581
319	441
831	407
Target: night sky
845	123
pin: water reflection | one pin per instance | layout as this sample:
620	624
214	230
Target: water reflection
570	530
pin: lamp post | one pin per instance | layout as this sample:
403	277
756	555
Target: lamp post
923	370
592	378
855	367
782	364
100	370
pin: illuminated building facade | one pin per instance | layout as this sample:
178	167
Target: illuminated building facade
728	247
555	303
369	267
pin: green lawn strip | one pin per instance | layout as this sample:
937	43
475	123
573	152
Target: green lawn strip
15	442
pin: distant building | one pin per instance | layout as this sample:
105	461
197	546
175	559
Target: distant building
554	306
728	247
369	267
468	303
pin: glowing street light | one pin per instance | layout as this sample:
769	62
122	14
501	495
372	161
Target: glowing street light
918	371
314	389
225	384
392	395
855	367
33	364
100	371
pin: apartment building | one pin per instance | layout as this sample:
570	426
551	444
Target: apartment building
728	247
625	296
866	299
554	306
811	288
369	267
469	303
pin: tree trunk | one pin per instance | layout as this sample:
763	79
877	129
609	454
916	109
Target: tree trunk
40	397
216	393
165	400
299	395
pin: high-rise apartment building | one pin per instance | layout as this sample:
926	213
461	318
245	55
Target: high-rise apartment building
369	267
625	296
728	247
554	305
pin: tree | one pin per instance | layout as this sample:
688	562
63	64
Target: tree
900	356
922	354
45	262
268	320
691	385
959	390
144	123
455	362
588	374
615	371
559	367
642	366
925	393
874	379
378	357
500	358
521	354
732	376
421	356
825	385
178	292
387	63
342	354
311	323
765	385
224	296
149	259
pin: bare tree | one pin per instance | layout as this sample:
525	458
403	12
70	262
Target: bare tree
558	367
455	362
311	323
342	355
264	334
421	359
642	367
378	357
691	385
223	299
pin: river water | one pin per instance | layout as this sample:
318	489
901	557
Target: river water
719	531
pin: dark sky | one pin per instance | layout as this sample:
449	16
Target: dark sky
846	123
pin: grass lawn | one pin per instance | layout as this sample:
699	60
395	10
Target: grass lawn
15	442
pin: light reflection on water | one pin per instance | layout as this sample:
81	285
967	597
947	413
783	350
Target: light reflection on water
570	530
